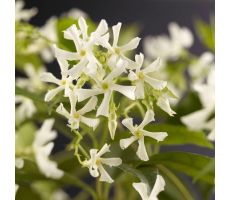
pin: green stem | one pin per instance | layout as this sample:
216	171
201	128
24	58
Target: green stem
129	108
142	111
99	189
68	179
104	135
79	147
176	181
156	148
106	190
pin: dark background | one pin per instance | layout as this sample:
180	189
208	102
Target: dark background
152	16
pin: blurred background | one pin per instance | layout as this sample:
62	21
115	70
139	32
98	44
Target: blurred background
152	16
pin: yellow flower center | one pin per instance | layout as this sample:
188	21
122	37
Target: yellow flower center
76	115
138	134
63	82
105	86
98	162
141	75
82	53
117	50
102	59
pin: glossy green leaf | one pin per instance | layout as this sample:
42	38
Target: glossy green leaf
180	135
206	33
188	163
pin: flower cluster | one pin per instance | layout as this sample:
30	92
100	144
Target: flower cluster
203	119
40	149
98	69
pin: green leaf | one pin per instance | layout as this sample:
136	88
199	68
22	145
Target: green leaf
143	173
210	167
184	162
180	135
30	173
175	187
22	59
34	97
25	136
206	33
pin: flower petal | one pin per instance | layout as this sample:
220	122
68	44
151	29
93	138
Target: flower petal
141	151
163	103
116	33
103	150
114	74
159	136
52	93
72	33
125	143
140	90
65	55
19	163
83	94
197	119
139	60
50	78
46	166
104	175
44	134
211	135
90	122
132	76
83	26
131	45
154	66
62	111
77	69
104	106
111	161
156	84
102	28
128	123
73	101
149	117
158	187
128	91
91	104
142	189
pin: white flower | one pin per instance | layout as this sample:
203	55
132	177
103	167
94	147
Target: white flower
200	119
19	163
169	48
23	14
16	188
106	87
96	162
140	76
50	32
25	109
59	195
75	117
75	13
158	187
118	52
33	82
84	44
63	84
139	133
163	103
201	67
42	147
